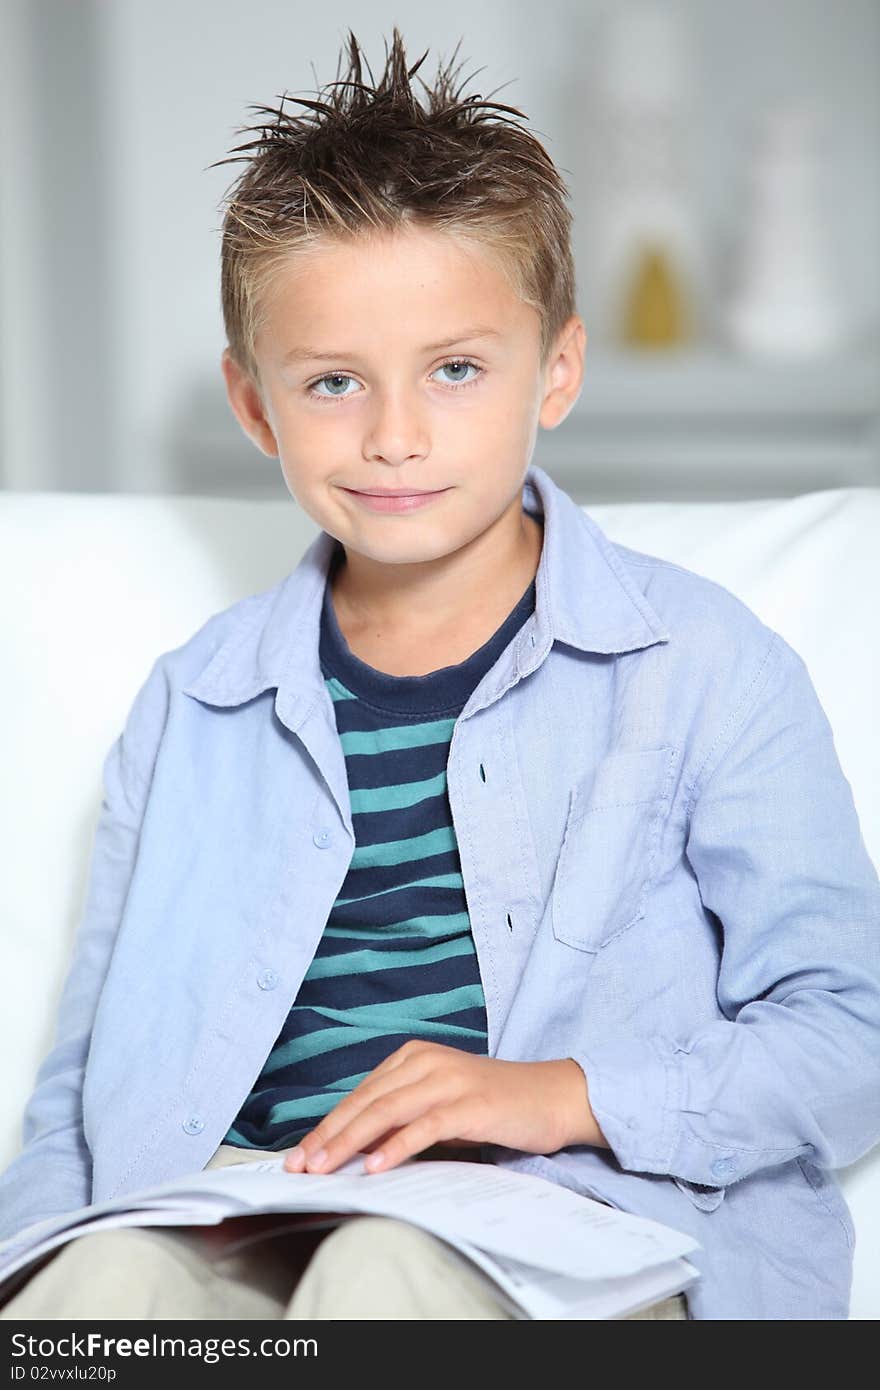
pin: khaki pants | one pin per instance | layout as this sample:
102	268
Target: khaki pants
375	1267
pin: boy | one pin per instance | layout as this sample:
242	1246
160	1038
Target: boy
477	834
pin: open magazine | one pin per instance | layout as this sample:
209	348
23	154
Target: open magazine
550	1252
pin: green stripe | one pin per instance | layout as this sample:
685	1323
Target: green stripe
348	1083
303	1105
307	1105
374	1020
365	800
333	1039
388	853
443	924
396	737
363	962
232	1136
337	690
432	881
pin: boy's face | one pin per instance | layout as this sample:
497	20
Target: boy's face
382	406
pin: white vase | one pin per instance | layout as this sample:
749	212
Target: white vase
783	302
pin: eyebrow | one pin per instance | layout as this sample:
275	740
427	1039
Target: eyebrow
311	354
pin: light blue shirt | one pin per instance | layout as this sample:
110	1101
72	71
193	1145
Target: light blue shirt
665	877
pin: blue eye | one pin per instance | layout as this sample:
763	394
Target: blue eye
454	364
459	362
334	376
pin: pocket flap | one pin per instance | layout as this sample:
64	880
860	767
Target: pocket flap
630	777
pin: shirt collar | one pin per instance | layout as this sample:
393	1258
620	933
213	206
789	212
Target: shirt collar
584	598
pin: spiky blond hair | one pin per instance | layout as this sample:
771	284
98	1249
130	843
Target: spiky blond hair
371	157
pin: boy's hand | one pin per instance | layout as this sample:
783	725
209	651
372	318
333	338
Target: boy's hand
427	1093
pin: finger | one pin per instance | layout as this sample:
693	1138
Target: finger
380	1081
442	1122
298	1165
389	1112
405	1053
316	1139
345	1109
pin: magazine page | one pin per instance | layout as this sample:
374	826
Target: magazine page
519	1215
528	1292
534	1224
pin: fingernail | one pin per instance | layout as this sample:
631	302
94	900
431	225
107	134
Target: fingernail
374	1160
318	1159
295	1157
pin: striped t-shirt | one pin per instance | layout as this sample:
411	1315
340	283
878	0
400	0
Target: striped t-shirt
396	959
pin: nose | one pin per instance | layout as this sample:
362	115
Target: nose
397	430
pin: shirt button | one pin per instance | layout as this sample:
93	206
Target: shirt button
723	1167
268	979
194	1125
322	837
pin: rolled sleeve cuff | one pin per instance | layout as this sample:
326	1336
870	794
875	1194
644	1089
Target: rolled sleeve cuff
636	1090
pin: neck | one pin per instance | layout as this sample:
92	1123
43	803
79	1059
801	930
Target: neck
477	583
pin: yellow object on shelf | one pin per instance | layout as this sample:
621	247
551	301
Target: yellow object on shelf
656	313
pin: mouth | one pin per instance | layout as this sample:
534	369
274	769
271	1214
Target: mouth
394	491
395	499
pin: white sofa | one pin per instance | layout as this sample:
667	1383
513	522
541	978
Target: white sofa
95	586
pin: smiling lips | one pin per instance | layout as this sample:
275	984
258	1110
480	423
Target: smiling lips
394	501
393	491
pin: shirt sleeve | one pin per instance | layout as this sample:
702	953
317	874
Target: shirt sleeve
52	1173
792	1069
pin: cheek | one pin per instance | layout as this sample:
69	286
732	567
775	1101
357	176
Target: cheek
502	414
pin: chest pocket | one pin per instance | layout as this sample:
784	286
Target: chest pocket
607	861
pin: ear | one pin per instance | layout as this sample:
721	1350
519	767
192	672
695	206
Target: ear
247	405
564	373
